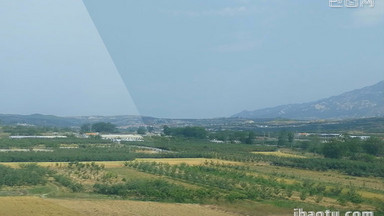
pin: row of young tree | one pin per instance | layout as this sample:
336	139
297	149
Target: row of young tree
6	143
68	155
232	184
350	167
235	182
154	190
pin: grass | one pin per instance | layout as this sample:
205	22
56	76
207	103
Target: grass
252	208
46	189
331	177
132	174
33	206
146	151
128	207
371	195
280	154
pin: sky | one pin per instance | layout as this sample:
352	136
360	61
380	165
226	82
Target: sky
182	59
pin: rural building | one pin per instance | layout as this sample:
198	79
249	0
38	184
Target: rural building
123	137
36	137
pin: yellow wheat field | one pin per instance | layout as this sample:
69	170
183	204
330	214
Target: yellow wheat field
115	164
35	206
280	154
32	206
125	207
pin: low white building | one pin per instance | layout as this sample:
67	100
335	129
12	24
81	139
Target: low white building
216	141
361	137
36	137
123	137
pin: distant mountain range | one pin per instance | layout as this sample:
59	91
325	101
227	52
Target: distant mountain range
56	121
120	121
359	103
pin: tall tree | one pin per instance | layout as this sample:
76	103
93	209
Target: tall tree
141	130
104	127
251	137
333	149
166	130
282	139
85	128
291	138
374	146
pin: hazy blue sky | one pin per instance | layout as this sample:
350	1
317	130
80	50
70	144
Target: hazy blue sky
52	61
178	58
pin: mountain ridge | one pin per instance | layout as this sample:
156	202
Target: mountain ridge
359	103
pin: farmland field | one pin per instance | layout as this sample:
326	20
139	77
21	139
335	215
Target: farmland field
280	154
189	161
190	177
108	164
112	164
34	206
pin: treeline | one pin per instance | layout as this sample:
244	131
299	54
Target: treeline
353	148
285	138
100	127
236	182
28	174
154	190
350	167
190	132
30	130
233	136
344	146
20	130
187	145
50	143
68	155
201	133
